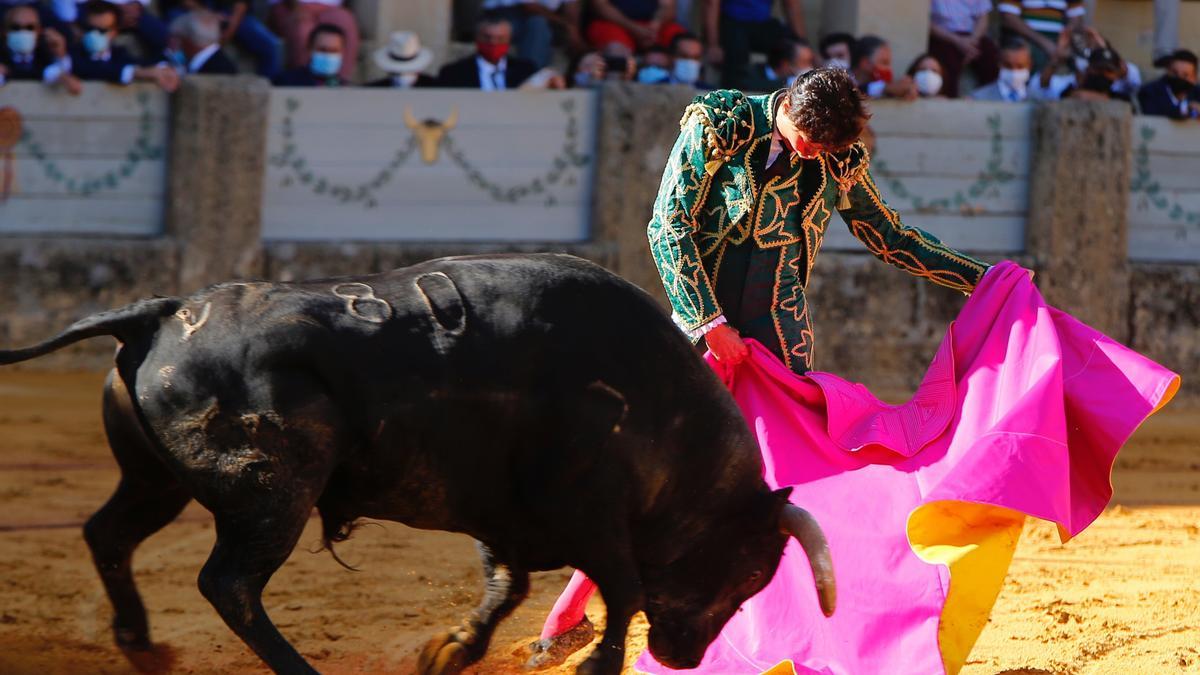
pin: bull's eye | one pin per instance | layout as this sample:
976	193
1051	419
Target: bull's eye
755	576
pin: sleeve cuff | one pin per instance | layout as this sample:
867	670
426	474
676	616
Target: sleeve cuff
697	333
1076	11
875	89
1009	9
127	74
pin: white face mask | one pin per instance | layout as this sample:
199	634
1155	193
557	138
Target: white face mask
1015	79
405	80
929	82
838	63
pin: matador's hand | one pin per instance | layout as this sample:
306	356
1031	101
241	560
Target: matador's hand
725	344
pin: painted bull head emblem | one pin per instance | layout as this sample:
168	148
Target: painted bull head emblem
429	132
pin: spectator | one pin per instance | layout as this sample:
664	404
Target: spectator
785	61
736	28
687	61
403	59
656	66
927	76
98	59
240	26
637	24
872	70
1097	82
958	38
1040	22
1086	40
27	49
295	21
1175	94
837	49
533	23
195	37
133	16
1016	64
327	50
489	68
614	63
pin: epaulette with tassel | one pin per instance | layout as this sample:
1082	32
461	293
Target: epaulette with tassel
727	120
846	169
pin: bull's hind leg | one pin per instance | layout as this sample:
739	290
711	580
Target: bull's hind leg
450	653
252	543
147	498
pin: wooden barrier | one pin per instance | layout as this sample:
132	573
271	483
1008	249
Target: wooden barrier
429	165
92	164
958	169
1164	196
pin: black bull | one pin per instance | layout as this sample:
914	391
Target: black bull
539	404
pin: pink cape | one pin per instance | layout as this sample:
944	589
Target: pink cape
1021	412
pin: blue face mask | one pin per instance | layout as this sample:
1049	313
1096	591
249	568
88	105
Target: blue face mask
325	65
22	41
652	75
95	42
687	70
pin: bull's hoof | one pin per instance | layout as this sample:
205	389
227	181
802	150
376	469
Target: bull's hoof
150	658
444	655
554	651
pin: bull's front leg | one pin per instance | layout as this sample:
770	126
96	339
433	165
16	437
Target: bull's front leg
451	652
621	588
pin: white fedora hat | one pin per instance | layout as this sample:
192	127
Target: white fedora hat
403	54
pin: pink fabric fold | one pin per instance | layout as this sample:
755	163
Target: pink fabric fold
1023	407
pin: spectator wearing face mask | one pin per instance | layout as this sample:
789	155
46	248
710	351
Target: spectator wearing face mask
490	68
534	23
655	67
872	70
1175	94
958	39
786	60
28	50
687	61
926	74
195	44
735	29
98	59
614	64
1098	81
1012	85
327	49
403	59
133	16
296	20
239	25
836	50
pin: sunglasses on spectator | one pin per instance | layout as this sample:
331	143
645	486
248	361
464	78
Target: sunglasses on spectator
17	26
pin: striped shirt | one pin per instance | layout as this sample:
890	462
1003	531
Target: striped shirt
1045	16
958	16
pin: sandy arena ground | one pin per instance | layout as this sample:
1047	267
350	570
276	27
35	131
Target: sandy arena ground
1123	598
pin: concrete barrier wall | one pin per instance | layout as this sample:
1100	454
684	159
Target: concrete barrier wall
93	164
874	323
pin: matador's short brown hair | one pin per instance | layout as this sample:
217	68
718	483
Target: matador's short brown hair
826	105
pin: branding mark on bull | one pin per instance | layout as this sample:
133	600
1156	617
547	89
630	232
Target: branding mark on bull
362	303
190	326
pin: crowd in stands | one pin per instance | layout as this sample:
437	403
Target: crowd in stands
1010	50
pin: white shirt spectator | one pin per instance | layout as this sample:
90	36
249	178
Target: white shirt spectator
491	75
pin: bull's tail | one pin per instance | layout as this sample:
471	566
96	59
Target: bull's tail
125	324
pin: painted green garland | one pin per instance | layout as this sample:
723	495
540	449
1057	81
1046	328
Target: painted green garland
1144	184
992	176
299	170
141	150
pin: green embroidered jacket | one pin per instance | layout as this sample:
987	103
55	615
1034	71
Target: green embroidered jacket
712	196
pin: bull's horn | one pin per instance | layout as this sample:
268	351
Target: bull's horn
410	121
451	120
800	524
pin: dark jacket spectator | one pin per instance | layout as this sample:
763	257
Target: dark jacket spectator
784	62
296	21
98	59
1175	94
490	68
871	67
195	37
534	23
24	54
837	49
326	47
